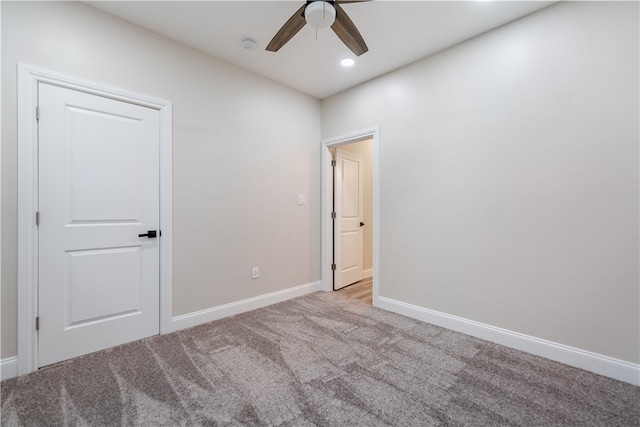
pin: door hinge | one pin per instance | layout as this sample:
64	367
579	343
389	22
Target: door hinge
38	323
333	267
333	163
333	215
37	113
37	218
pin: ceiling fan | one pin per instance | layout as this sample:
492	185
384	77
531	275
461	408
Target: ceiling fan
321	14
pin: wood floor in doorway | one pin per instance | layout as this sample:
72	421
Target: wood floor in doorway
361	290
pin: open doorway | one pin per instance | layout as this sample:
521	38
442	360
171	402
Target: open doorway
350	220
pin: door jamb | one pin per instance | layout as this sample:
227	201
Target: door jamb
28	79
326	251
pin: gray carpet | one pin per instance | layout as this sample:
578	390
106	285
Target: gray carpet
322	359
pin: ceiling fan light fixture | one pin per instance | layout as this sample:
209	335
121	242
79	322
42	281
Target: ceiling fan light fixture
320	14
347	62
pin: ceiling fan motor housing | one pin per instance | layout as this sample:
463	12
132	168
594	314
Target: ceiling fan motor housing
320	14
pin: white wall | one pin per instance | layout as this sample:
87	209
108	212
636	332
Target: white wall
243	148
509	177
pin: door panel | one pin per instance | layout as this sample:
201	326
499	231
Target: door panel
97	193
98	189
350	189
102	284
350	250
348	234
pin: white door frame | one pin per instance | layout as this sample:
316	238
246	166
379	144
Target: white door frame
326	255
28	79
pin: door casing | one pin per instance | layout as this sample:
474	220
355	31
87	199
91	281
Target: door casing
326	253
28	79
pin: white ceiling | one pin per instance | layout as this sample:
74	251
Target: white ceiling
397	33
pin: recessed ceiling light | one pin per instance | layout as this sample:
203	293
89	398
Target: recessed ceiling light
347	62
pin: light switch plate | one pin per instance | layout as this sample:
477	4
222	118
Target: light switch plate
302	199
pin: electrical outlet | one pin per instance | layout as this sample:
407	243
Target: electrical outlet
254	273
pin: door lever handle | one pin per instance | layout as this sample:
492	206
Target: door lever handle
150	234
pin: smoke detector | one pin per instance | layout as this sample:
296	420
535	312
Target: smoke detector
249	44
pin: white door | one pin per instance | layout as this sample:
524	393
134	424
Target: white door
98	191
348	234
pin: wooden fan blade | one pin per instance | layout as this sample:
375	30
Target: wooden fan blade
288	30
346	31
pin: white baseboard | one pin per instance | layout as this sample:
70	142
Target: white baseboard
593	362
367	273
203	316
8	368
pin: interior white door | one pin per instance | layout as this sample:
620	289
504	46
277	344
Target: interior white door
98	191
349	206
